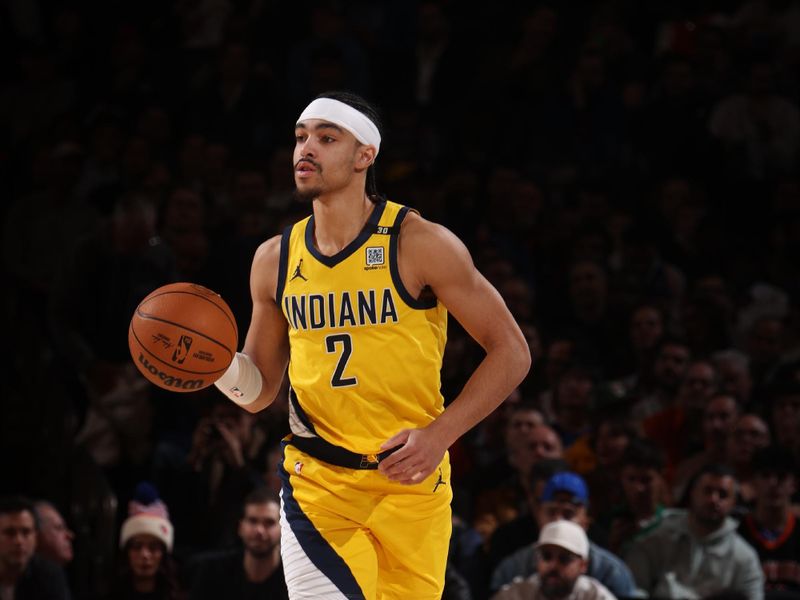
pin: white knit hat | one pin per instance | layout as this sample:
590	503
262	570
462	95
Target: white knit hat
148	514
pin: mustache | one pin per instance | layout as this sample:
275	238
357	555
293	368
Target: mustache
310	161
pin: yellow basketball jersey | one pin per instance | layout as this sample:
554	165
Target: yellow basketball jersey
365	357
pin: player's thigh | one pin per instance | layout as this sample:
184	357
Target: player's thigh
413	536
327	553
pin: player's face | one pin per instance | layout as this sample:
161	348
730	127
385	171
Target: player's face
324	158
17	540
260	528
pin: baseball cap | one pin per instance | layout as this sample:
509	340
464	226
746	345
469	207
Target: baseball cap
566	482
567	535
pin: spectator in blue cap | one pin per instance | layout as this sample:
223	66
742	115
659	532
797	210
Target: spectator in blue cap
566	497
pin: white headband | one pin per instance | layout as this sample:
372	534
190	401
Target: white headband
346	117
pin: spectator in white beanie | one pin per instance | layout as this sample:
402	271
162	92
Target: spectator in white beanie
147	569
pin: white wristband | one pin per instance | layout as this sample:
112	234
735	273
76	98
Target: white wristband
242	381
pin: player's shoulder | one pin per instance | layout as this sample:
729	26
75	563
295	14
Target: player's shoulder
419	231
267	255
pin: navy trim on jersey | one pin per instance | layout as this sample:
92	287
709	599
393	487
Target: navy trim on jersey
283	265
311	541
366	232
394	269
301	414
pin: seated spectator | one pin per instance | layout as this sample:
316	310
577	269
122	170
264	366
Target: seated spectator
23	574
573	402
562	557
207	489
253	571
749	435
507	499
678	428
518	532
147	570
697	552
54	538
644	495
565	496
719	419
772	527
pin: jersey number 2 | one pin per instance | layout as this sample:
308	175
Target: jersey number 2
338	379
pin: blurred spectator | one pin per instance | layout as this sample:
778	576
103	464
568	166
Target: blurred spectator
506	499
562	555
573	404
565	496
518	532
758	129
147	570
735	378
255	569
23	574
784	415
771	528
206	488
649	396
750	434
677	429
644	494
677	558
54	537
719	420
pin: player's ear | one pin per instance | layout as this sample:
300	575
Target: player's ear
366	156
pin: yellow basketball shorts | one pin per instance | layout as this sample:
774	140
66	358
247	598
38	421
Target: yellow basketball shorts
352	533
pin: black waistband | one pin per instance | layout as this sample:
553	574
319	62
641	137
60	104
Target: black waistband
336	455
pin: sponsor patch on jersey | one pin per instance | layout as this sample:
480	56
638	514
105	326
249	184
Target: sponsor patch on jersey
374	256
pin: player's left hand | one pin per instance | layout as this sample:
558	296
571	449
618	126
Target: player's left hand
418	455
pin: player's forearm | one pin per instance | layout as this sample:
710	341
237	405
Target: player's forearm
500	372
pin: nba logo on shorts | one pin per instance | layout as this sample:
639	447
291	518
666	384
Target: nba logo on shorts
182	349
374	256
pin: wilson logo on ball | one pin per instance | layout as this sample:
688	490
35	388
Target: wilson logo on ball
169	380
182	349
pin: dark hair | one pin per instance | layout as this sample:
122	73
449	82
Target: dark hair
261	495
773	459
714	469
17	504
643	454
544	469
369	111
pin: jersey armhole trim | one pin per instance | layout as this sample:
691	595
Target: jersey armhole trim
395	271
283	264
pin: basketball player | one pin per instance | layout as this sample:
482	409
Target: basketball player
355	300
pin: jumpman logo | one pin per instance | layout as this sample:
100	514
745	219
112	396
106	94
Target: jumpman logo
297	272
439	482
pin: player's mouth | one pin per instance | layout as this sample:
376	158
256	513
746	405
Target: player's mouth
305	168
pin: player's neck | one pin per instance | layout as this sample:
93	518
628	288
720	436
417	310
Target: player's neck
339	219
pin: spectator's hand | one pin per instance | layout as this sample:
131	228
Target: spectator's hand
202	442
230	446
418	455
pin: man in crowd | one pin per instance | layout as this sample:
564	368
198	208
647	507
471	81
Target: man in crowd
255	570
695	553
54	539
562	560
566	497
772	527
23	574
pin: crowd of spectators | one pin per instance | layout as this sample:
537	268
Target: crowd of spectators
627	174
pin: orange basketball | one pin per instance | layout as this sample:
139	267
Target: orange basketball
182	337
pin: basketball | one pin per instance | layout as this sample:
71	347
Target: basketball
182	337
